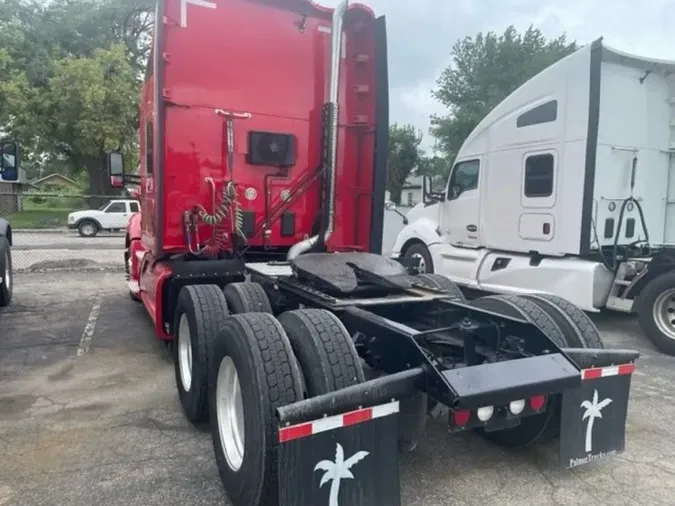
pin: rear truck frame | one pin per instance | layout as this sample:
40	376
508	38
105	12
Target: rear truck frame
314	373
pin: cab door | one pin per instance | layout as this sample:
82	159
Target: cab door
460	214
116	215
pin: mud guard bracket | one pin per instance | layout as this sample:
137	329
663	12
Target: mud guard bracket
345	459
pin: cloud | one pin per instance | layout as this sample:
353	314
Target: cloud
421	34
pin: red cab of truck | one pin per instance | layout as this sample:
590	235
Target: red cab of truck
235	141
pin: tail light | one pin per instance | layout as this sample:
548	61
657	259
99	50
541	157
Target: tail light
537	402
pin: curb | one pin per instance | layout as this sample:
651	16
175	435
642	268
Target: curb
40	230
91	268
63	231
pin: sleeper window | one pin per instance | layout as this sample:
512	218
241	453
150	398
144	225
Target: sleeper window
464	178
539	174
149	146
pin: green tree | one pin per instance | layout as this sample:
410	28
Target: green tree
403	157
432	166
485	70
70	73
91	107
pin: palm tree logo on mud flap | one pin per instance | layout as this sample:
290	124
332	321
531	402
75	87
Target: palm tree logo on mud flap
337	471
592	410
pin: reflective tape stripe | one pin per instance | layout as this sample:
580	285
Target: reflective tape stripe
604	372
338	421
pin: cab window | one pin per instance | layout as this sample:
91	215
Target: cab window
464	178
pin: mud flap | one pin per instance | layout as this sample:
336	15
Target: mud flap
350	459
593	417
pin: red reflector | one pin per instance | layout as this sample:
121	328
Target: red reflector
355	417
295	432
461	417
537	402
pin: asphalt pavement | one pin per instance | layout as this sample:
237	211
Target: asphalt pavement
89	415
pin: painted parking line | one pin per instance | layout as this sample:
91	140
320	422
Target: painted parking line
90	327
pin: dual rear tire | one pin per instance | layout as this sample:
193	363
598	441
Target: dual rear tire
564	324
236	364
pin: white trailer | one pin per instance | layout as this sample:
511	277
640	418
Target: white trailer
567	187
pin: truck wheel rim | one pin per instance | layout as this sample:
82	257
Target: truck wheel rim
423	264
88	230
8	275
185	353
230	412
664	313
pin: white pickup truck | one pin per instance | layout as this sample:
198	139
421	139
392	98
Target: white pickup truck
111	216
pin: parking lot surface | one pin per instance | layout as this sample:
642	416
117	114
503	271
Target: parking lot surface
89	415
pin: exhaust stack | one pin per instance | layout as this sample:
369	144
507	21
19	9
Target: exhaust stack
338	18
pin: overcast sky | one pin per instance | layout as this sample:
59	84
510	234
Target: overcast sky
422	32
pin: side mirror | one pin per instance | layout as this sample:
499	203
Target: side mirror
116	169
428	195
9	161
390	206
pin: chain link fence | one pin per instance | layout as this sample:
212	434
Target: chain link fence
56	230
47	229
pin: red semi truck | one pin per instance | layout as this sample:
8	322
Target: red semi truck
264	131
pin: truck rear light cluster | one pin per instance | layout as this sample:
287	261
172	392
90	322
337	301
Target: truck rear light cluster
461	419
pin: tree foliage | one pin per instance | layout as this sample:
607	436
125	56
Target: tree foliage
485	70
70	73
403	157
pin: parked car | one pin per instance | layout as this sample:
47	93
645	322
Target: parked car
111	216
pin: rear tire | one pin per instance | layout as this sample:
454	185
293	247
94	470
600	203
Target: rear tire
440	282
200	314
419	250
537	428
656	312
7	273
247	297
324	349
579	329
254	349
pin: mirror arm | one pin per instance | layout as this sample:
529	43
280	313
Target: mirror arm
132	179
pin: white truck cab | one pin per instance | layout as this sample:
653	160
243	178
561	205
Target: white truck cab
566	187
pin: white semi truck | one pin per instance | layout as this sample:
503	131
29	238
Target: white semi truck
567	187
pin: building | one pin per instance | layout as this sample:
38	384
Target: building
411	193
53	182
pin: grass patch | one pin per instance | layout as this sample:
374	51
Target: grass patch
39	218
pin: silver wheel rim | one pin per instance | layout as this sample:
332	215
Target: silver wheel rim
88	229
185	353
230	412
423	264
664	313
8	277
